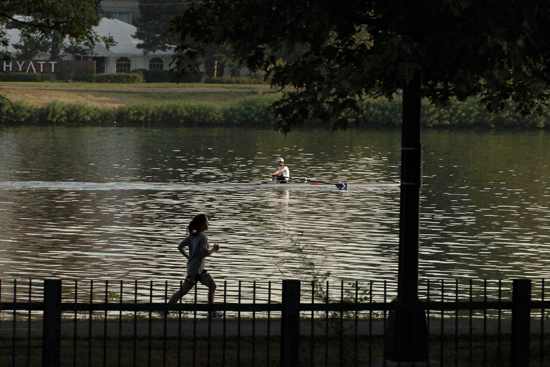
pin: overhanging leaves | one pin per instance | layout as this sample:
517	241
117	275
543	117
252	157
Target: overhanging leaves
350	50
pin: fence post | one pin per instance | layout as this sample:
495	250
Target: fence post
290	324
521	322
51	338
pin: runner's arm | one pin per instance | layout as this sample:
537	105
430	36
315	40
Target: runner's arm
214	248
181	249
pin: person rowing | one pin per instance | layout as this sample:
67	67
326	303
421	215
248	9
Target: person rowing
281	173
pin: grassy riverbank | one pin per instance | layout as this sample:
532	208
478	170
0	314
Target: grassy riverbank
169	104
138	104
115	95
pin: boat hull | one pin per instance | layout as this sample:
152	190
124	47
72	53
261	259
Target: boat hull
318	185
101	186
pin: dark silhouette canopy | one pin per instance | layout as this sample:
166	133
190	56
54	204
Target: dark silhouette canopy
334	53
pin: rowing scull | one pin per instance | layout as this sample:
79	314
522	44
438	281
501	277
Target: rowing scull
161	186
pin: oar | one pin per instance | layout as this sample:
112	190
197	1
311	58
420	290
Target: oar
339	186
303	179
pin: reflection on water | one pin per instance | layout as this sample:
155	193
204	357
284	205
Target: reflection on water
486	206
96	203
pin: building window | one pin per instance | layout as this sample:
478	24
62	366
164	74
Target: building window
156	64
122	16
123	65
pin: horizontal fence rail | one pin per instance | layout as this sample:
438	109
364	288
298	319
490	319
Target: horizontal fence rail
70	323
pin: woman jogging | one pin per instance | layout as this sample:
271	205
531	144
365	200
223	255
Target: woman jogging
197	242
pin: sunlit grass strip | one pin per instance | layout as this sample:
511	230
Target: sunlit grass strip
135	86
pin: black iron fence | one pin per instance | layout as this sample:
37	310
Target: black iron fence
68	323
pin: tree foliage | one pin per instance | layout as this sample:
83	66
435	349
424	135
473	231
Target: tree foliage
154	30
51	21
350	50
153	24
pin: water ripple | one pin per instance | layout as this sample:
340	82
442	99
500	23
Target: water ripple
114	203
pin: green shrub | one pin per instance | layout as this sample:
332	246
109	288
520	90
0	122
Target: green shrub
78	113
47	77
250	111
472	114
180	114
191	114
23	112
156	76
13	113
468	114
381	113
26	77
191	78
84	75
57	113
63	72
233	80
137	114
52	113
202	114
119	78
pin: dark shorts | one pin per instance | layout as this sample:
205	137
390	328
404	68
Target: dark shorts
193	279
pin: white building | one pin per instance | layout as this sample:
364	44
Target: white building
125	56
122	58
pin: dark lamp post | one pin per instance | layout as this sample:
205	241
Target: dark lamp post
406	336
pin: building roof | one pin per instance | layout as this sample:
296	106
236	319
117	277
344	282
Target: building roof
122	33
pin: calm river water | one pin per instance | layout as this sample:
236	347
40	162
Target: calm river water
107	203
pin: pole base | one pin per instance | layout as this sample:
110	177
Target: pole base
407	334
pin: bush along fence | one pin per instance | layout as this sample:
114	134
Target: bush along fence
293	323
254	111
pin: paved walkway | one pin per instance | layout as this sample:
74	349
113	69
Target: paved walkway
217	327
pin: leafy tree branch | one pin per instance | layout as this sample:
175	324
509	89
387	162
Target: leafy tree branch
349	50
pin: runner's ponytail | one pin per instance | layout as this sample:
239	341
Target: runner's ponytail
195	225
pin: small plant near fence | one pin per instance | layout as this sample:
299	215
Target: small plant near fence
310	262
